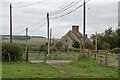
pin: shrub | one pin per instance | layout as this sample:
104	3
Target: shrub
76	44
59	45
115	50
53	48
106	46
103	52
11	52
43	48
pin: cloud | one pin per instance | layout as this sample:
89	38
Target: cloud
100	16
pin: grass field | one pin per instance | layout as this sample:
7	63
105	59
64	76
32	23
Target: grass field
0	70
78	69
30	42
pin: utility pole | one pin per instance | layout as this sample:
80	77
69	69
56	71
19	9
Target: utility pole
95	45
84	28
10	23
50	37
26	44
51	42
48	33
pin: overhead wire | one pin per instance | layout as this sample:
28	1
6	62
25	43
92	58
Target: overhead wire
23	5
43	24
52	18
67	8
64	8
59	7
59	11
27	5
69	11
40	23
66	13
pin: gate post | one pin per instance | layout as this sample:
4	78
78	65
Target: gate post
106	60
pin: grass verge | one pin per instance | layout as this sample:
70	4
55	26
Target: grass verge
77	69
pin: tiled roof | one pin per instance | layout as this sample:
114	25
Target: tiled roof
73	35
78	35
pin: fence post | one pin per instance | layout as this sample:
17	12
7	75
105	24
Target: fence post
106	60
100	59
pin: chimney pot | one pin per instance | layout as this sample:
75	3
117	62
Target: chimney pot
75	28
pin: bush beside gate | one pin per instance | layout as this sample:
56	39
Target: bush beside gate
11	52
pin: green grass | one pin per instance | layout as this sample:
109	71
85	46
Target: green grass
27	70
0	69
78	69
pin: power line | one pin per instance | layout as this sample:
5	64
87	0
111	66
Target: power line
59	7
39	27
66	8
43	21
28	5
69	11
33	30
39	23
23	5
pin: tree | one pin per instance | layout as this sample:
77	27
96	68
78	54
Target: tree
76	44
89	45
11	52
117	37
108	31
43	48
106	46
58	44
100	40
108	36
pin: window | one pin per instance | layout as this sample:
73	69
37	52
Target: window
66	40
66	46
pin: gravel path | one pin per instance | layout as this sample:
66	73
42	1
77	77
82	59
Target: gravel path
51	61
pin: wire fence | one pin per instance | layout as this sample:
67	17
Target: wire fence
104	59
108	59
57	55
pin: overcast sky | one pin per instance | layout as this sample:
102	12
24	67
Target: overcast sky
101	14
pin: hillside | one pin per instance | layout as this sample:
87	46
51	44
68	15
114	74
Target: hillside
20	39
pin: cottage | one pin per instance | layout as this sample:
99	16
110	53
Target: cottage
71	36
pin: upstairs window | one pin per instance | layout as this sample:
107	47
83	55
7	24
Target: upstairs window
66	40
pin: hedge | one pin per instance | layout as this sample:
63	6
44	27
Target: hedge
11	52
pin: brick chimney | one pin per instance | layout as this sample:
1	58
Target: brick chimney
75	28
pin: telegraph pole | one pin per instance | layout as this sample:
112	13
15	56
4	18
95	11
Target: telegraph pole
95	44
10	23
84	28
26	44
48	33
50	37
